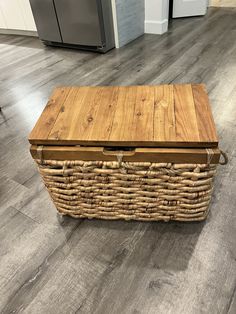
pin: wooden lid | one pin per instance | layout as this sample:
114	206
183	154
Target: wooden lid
135	116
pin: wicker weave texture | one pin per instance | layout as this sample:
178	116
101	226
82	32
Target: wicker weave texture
124	190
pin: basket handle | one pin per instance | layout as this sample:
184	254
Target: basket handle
108	152
225	160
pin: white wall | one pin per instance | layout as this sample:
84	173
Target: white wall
16	15
27	15
156	16
2	20
128	19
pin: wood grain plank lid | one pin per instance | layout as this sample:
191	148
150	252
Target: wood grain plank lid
134	116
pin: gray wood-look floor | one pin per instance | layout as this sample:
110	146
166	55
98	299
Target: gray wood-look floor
103	267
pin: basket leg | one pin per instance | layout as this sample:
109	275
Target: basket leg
60	218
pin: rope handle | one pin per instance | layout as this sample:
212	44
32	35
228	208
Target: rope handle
225	160
210	154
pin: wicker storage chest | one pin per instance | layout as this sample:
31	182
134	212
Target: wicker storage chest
138	152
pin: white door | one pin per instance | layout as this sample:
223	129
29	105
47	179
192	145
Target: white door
183	8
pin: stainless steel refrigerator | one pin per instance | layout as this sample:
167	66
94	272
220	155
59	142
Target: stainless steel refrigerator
85	24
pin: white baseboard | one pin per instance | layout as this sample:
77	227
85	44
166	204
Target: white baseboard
222	3
156	27
18	32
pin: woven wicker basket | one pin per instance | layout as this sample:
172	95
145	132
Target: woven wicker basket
129	190
128	152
